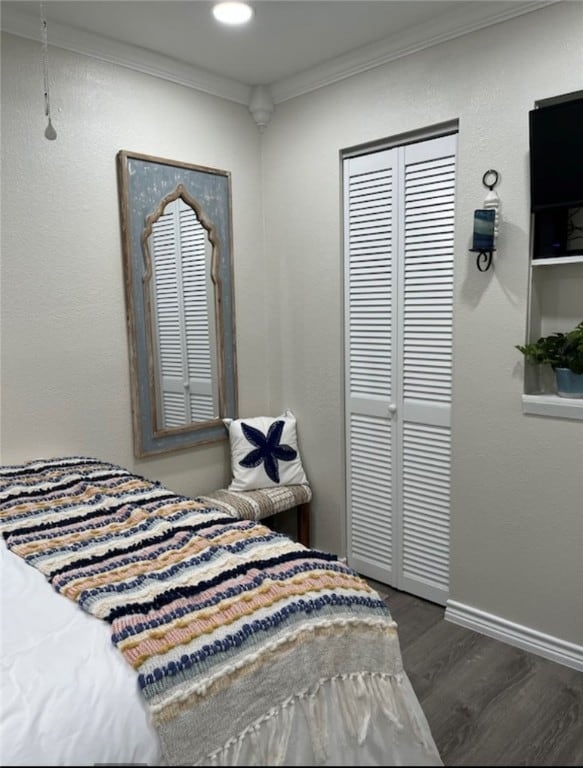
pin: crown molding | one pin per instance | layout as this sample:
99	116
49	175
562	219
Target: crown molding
466	20
126	55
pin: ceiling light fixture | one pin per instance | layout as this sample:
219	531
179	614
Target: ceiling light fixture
232	12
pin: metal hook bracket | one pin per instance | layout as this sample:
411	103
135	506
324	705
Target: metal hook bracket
494	177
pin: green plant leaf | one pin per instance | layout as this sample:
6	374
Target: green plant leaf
559	349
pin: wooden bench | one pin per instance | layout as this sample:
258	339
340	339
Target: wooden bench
265	502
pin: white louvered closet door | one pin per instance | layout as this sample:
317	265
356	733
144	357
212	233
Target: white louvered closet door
399	231
369	300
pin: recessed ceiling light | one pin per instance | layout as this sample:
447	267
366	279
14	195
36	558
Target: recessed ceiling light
232	12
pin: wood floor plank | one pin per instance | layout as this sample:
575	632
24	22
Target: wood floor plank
532	721
448	648
487	702
485	677
416	616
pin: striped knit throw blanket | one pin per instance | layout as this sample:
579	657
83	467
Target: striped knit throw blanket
226	623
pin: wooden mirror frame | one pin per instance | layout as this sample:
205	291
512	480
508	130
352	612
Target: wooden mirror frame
144	183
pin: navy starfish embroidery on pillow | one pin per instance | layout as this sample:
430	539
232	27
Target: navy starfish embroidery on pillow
268	449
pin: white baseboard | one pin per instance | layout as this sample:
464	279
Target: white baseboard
553	648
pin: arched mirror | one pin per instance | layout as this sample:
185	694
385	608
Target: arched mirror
177	256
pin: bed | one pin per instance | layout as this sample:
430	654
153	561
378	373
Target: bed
140	626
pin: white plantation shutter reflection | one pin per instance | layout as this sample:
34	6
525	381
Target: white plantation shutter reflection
398	331
183	317
167	307
199	316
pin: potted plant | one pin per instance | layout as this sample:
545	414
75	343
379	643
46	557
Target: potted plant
564	353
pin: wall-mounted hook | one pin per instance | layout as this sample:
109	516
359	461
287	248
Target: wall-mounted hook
486	223
490	179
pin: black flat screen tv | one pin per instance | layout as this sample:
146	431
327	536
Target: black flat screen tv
556	155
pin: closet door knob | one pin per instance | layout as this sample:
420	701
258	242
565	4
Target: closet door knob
392	408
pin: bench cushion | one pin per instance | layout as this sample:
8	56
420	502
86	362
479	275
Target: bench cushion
257	504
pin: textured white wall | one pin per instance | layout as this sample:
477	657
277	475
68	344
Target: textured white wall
65	375
517	530
517	504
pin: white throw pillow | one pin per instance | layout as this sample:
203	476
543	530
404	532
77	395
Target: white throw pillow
264	452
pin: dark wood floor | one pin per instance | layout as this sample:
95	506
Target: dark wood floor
487	703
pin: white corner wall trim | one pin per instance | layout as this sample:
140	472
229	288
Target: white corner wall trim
553	648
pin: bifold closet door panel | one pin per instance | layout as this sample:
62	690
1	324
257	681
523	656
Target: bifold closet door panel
426	343
370	358
399	229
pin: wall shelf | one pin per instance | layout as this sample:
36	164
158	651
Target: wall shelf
555	281
553	405
557	260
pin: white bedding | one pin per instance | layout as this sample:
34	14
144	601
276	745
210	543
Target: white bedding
47	642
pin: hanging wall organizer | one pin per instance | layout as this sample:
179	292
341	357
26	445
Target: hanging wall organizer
486	221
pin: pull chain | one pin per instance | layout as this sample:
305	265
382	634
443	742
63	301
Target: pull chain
50	132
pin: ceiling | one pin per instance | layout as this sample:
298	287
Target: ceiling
290	45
